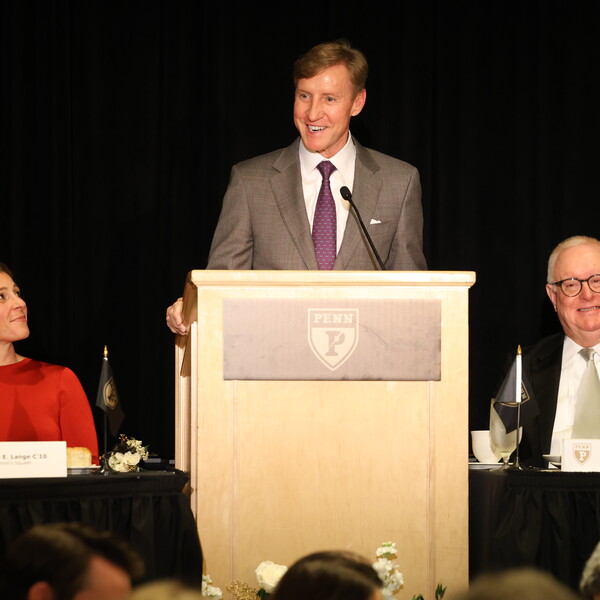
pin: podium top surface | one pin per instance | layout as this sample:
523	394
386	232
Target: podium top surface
205	277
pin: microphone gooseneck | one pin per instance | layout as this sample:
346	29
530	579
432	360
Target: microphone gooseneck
347	195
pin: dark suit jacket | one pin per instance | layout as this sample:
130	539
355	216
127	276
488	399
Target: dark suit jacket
264	225
541	367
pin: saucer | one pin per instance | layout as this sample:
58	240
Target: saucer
82	470
553	460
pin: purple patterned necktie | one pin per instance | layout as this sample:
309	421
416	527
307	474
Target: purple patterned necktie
324	223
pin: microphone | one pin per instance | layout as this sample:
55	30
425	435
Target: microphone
347	195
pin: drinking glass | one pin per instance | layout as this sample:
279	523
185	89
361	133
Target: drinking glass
502	443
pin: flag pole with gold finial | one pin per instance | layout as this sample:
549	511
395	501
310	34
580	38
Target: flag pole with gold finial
107	399
105	421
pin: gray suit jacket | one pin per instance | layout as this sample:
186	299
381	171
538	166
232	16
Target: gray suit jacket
264	225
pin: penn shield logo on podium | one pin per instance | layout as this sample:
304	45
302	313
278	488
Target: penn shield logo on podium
333	334
582	451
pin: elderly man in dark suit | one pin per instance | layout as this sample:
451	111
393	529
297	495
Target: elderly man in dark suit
554	366
268	220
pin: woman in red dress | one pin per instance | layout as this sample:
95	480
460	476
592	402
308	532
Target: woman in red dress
38	401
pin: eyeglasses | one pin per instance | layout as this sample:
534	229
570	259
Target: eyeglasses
573	286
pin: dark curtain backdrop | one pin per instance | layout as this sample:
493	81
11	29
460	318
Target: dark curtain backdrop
120	121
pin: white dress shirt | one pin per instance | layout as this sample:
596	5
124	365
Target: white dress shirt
572	369
344	162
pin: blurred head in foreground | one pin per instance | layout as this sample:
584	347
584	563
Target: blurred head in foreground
523	583
69	561
589	585
165	589
329	575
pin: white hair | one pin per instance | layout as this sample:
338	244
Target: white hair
575	240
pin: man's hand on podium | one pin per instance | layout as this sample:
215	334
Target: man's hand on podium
175	319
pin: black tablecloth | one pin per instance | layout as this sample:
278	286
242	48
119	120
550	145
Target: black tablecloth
149	509
547	519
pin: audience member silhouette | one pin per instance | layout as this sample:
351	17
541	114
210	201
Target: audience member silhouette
165	589
329	575
524	583
69	561
589	584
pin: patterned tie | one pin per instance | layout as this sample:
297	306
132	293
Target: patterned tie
587	410
324	223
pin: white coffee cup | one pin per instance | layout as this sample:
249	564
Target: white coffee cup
480	442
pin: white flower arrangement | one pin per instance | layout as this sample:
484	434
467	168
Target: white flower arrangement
387	569
388	572
209	590
268	575
127	455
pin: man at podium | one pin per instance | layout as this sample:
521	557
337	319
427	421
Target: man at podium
301	207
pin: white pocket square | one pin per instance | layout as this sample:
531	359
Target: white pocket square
375	222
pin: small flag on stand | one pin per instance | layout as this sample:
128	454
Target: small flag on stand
108	398
507	404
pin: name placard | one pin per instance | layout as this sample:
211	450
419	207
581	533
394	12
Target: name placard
581	455
33	459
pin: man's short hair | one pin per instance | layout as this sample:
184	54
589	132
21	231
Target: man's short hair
60	554
524	583
589	584
328	574
161	589
575	240
329	54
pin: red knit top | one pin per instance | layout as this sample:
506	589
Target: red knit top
44	402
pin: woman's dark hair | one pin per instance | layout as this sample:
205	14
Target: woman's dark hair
5	269
332	575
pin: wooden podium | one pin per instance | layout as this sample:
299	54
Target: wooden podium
283	467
